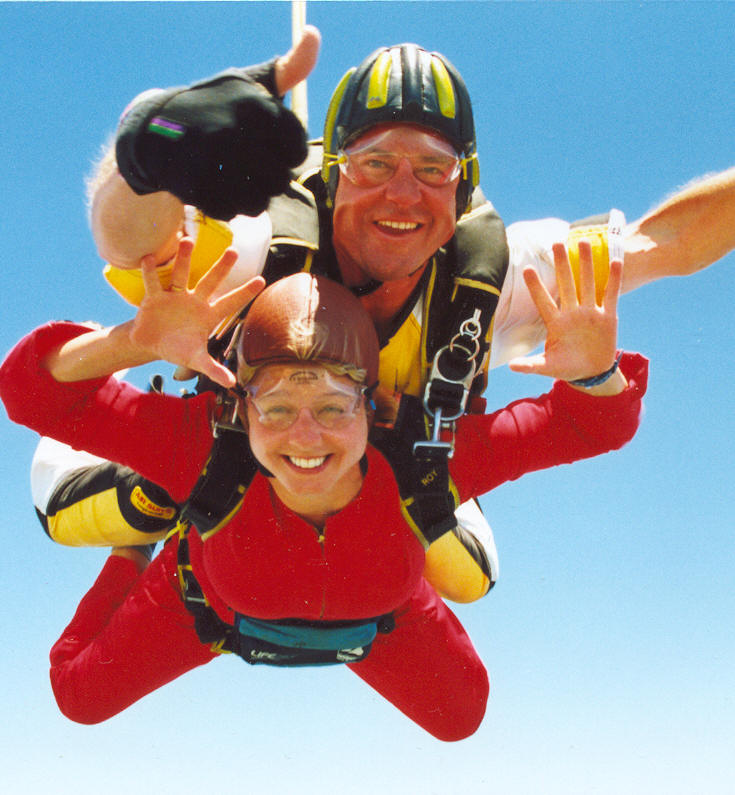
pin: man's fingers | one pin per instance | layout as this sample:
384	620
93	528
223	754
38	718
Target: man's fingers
297	63
214	370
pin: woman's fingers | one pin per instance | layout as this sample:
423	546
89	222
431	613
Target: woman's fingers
564	276
211	280
540	296
586	290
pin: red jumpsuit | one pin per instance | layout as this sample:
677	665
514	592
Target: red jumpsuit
132	634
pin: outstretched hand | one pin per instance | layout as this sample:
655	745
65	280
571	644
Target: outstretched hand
175	324
581	336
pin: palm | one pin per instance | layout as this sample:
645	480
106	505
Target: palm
581	336
175	324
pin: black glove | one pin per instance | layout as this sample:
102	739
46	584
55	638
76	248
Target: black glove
225	145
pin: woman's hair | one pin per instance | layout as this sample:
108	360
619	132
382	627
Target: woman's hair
309	318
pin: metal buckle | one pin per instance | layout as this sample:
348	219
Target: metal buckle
434	448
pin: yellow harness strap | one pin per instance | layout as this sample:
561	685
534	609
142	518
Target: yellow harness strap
213	237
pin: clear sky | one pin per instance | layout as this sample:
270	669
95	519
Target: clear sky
609	637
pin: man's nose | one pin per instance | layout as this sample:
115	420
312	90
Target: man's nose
403	187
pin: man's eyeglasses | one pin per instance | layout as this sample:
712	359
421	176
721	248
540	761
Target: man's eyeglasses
371	163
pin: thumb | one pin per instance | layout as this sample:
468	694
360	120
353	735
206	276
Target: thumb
298	62
214	371
528	364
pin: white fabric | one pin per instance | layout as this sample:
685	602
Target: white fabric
251	238
52	462
518	329
470	517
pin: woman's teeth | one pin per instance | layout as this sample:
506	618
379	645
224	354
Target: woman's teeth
307	463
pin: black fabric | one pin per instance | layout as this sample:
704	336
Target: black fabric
423	477
225	145
88	481
225	478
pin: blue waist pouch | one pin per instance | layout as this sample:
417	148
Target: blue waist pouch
292	642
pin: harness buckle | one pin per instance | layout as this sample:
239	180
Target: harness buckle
452	372
434	449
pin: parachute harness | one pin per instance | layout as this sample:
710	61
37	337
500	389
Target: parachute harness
445	398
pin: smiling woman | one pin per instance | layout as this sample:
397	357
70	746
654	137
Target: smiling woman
317	560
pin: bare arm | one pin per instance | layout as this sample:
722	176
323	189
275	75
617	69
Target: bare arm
172	325
686	233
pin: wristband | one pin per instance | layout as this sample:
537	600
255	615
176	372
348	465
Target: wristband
596	380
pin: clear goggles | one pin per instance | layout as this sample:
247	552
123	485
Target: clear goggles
331	404
370	162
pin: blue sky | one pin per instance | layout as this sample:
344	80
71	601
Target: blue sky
609	638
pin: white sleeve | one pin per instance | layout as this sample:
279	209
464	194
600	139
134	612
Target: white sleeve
52	463
251	237
517	328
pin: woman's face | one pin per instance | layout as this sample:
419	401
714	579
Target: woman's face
308	427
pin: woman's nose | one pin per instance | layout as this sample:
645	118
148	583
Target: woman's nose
305	427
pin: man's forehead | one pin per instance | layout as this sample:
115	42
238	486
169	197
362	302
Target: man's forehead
402	133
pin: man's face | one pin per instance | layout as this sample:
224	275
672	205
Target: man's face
387	231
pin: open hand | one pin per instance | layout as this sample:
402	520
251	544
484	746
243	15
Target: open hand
175	324
581	336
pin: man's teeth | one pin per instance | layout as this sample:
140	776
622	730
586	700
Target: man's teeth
307	463
400	225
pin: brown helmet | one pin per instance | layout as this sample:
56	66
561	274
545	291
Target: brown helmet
308	318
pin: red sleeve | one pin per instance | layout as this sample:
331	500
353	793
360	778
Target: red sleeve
560	427
164	438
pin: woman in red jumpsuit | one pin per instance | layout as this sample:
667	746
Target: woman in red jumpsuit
319	535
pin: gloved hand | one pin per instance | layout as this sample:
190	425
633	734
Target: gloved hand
224	145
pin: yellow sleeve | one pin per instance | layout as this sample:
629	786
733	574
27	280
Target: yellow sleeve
108	505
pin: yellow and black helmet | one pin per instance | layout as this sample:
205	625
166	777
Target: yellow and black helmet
404	83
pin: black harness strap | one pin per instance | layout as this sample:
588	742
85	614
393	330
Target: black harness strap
224	480
423	480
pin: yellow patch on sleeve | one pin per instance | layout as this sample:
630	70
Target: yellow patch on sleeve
146	506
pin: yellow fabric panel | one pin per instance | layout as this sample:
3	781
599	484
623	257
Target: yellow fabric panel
96	521
213	237
597	237
453	571
400	360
